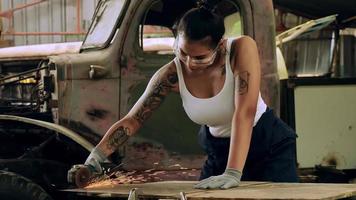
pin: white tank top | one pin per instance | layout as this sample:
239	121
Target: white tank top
215	112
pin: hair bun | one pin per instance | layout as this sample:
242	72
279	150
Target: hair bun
207	5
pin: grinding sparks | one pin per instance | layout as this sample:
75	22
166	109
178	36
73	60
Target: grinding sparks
176	172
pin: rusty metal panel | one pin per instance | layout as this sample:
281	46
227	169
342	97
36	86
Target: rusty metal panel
325	122
88	107
49	16
88	104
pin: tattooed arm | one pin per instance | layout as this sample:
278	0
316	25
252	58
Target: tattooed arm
246	66
162	82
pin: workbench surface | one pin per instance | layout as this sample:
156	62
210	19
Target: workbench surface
247	190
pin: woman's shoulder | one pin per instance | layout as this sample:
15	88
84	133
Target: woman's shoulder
242	41
242	49
167	74
169	68
240	45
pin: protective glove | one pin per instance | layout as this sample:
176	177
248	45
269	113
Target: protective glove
94	160
80	175
230	178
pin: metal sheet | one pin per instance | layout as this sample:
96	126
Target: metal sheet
325	123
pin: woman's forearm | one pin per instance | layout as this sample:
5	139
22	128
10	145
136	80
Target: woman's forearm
118	134
240	141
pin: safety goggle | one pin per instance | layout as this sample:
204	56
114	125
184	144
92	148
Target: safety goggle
207	60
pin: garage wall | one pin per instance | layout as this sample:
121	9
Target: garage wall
48	16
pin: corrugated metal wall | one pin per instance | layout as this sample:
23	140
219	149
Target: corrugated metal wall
312	54
48	16
309	55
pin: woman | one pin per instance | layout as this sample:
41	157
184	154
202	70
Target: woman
219	83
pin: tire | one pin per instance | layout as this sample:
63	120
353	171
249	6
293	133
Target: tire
16	187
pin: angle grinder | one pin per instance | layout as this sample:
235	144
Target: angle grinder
81	175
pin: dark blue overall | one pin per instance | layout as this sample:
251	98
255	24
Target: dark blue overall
272	154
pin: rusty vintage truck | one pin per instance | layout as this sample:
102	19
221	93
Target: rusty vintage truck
58	100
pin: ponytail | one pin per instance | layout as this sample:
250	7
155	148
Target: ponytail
201	22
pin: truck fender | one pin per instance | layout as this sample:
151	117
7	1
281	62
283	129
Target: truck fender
54	127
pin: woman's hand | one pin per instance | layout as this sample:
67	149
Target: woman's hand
95	159
229	179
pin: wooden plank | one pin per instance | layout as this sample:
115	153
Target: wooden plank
247	190
303	191
163	189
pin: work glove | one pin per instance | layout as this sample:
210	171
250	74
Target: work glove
80	175
230	178
95	159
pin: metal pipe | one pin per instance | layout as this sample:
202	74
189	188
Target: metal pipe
78	15
9	13
43	33
21	74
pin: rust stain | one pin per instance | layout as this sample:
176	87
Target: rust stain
332	159
95	114
104	89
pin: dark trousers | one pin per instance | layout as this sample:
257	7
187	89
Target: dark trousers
271	157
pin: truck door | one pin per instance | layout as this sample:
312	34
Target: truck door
88	82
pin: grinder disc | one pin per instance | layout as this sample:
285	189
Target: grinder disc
79	175
82	177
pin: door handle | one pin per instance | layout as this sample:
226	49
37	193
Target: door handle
97	71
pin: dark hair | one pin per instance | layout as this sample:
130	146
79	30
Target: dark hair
200	22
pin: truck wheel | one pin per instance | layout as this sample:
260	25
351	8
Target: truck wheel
16	187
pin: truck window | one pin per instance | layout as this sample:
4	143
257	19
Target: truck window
156	34
103	24
157	39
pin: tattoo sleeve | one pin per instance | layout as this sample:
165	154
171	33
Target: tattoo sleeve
155	96
243	82
118	138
